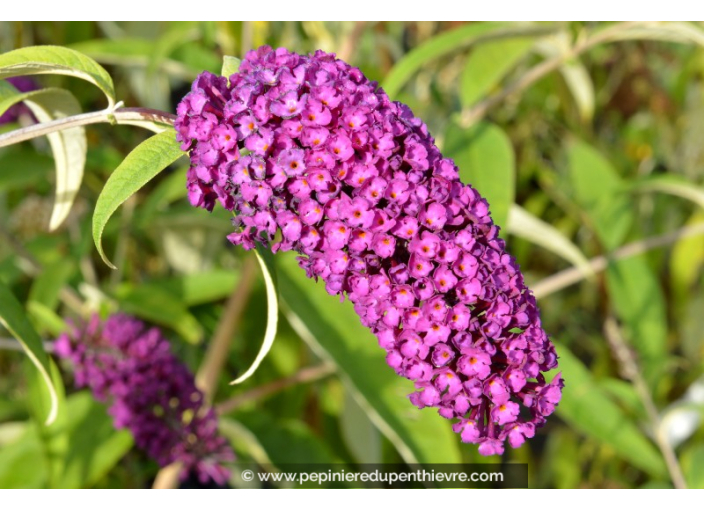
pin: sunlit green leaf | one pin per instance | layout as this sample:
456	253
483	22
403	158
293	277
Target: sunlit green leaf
139	167
452	41
56	60
47	285
672	185
45	319
687	260
523	224
600	191
488	64
158	305
199	288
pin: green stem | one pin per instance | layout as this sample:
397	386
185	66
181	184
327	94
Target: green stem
572	275
631	371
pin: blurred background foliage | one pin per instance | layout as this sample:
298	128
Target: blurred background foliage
585	137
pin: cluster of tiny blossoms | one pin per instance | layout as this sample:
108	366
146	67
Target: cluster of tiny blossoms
150	393
311	156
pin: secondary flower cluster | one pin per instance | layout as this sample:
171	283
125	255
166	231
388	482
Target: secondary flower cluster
311	156
150	393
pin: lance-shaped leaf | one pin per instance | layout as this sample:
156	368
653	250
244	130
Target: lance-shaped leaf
57	60
488	65
589	410
68	146
14	319
264	257
139	167
525	225
451	41
672	185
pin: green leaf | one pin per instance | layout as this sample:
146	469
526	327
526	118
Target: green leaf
22	464
139	167
94	446
588	409
54	436
68	146
22	167
286	441
132	52
599	190
243	440
8	96
525	225
693	466
580	84
488	64
56	60
672	185
46	319
158	305
264	257
451	41
12	316
230	65
625	394
640	305
200	288
686	261
361	436
485	158
167	42
47	285
334	332
169	189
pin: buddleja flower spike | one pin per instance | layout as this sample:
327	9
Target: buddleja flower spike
306	148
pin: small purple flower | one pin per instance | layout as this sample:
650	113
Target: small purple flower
355	184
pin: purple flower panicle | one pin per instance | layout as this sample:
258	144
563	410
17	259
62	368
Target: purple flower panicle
311	156
150	392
